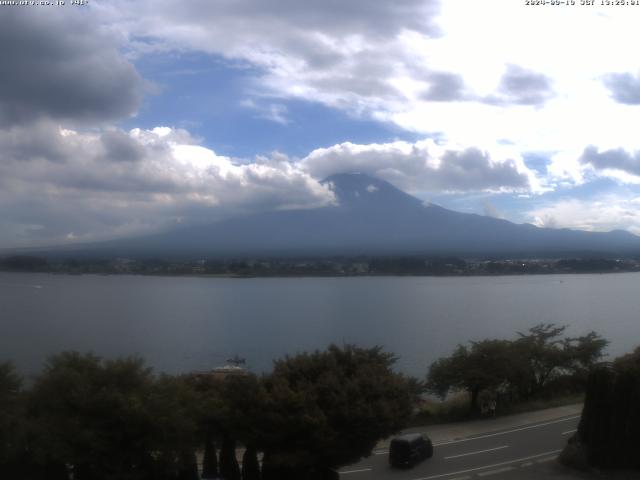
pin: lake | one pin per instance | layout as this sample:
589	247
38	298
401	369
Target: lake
180	324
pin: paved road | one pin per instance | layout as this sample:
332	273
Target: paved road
504	453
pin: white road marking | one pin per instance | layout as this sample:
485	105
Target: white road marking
544	460
383	452
568	432
475	453
495	472
526	464
519	429
355	471
515	460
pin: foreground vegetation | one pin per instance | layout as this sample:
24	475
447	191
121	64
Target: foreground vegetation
100	420
609	431
87	418
539	364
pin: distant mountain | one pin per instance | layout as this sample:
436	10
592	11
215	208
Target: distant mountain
372	218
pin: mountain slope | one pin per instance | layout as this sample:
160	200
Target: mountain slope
372	218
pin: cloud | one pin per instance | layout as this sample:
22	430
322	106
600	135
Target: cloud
483	88
430	67
424	166
343	54
59	185
601	214
445	87
490	210
624	87
93	185
58	64
519	86
121	147
616	159
274	112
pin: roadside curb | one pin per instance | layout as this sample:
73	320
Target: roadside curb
447	432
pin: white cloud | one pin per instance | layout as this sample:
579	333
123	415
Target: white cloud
60	185
602	214
275	112
544	79
490	80
110	183
426	166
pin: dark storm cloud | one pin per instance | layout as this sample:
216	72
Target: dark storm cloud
520	86
56	64
624	87
617	159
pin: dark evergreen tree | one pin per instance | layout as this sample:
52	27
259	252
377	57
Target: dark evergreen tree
610	423
595	424
229	468
54	471
188	467
210	459
250	465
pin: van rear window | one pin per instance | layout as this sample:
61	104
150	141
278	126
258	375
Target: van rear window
399	448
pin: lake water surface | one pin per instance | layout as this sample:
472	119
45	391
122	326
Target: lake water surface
180	324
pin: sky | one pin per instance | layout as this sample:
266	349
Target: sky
121	118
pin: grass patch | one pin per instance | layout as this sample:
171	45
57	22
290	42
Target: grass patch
432	411
543	403
456	408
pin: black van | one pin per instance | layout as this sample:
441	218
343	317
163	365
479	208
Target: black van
407	450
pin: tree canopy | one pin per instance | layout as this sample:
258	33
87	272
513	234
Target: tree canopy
334	405
110	419
485	364
10	427
610	424
97	419
524	366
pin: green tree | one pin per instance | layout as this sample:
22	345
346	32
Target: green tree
109	419
174	405
92	414
543	355
485	364
230	406
12	426
328	409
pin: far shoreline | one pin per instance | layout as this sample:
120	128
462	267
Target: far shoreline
289	276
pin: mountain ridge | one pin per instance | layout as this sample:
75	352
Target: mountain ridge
372	217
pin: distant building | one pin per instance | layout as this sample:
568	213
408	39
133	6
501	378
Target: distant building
232	368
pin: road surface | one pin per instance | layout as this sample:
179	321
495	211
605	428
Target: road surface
508	450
